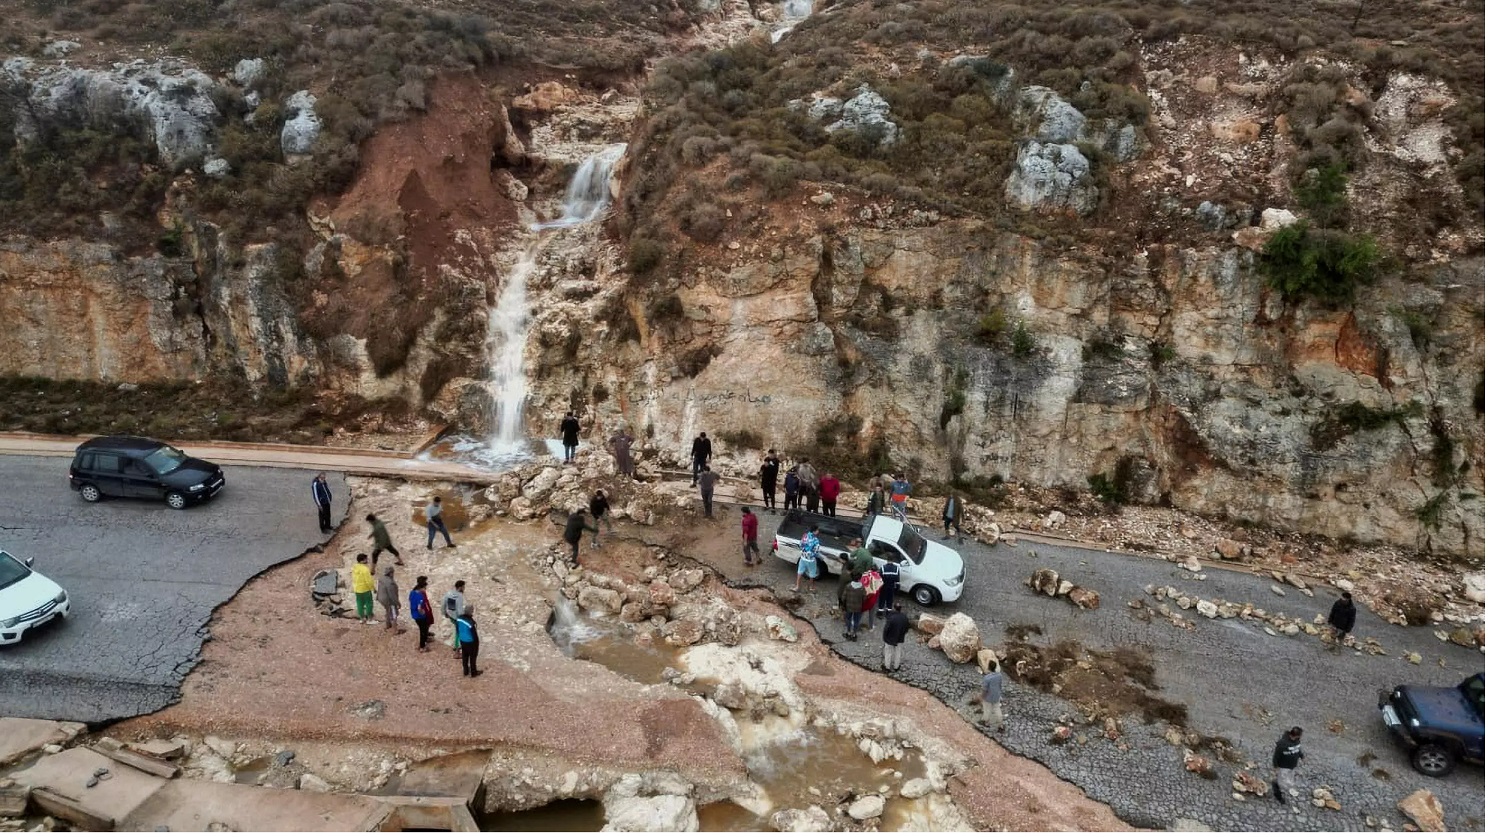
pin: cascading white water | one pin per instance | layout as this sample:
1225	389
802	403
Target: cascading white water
588	194
792	12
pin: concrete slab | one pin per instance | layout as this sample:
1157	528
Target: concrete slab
67	773
457	775
191	805
20	737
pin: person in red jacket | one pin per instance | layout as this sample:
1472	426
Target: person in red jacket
830	488
749	524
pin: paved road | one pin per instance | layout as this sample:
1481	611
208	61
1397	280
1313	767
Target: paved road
1227	672
143	579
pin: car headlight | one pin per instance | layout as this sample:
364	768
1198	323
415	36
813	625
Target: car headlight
952	582
198	487
60	597
11	623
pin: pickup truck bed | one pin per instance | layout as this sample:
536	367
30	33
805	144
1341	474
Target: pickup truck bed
835	532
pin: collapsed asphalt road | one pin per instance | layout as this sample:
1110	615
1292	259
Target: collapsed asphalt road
1236	681
143	580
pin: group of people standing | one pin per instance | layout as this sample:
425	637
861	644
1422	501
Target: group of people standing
803	484
465	635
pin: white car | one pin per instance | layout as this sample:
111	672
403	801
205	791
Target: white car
28	599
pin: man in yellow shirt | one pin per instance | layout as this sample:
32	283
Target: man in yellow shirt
363	585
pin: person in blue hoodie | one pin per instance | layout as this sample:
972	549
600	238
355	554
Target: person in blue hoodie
419	609
469	642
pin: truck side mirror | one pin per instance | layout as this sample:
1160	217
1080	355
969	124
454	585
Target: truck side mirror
30	561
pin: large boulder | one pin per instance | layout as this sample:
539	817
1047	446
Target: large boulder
1051	118
1045	581
1424	809
682	633
301	125
541	485
1084	598
867	113
930	624
812	819
1472	586
960	639
780	629
600	599
866	807
663	813
1052	177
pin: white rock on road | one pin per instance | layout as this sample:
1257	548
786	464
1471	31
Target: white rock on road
960	639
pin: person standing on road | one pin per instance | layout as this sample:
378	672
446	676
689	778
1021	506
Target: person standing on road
810	484
469	637
418	608
890	573
875	505
363	586
769	472
899	494
1285	758
382	541
321	491
851	598
1341	618
990	699
896	628
599	507
573	532
950	515
569	430
702	453
452	606
830	488
387	596
807	565
749	526
706	480
792	489
872	587
434	515
620	448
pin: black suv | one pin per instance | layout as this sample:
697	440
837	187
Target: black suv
133	466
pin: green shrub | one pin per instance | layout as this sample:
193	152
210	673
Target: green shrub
645	255
1114	489
745	439
1163	353
991	328
1343	421
1328	266
1430	514
1024	344
1323	193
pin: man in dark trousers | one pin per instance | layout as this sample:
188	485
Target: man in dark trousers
382	541
469	637
1341	618
706	481
749	525
810	484
702	452
569	429
573	532
896	628
769	472
321	491
890	573
1285	758
950	515
419	609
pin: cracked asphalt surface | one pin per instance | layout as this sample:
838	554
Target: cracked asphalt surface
143	579
1237	682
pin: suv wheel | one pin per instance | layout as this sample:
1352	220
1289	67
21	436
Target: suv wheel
1433	759
90	493
176	500
925	595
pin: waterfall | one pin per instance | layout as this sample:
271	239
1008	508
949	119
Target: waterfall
792	12
587	198
568	628
588	194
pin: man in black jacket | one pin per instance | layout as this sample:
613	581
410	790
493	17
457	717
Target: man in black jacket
769	473
1341	618
702	451
573	531
896	628
1287	755
569	430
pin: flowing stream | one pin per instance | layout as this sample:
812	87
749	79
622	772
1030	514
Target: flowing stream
792	12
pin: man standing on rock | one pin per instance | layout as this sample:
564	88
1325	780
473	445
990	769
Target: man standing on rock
569	430
896	628
702	452
382	541
990	699
434	515
769	472
620	447
418	608
810	484
321	491
469	637
599	506
362	587
749	525
706	480
1341	618
573	532
452	606
1285	758
387	596
830	488
899	494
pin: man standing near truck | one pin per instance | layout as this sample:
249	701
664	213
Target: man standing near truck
702	451
806	565
899	494
769	472
749	525
890	574
851	599
810	484
830	488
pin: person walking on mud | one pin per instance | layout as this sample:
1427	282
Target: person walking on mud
573	532
1285	758
452	606
387	596
620	448
434	515
569	430
419	609
362	586
749	526
810	484
469	637
320	490
702	453
382	541
1341	619
706	481
769	472
896	628
599	507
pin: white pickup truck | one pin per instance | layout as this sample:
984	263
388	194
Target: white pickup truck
929	571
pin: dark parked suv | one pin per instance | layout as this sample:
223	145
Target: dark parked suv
133	466
1441	726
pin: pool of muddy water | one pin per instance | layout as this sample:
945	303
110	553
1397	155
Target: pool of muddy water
559	815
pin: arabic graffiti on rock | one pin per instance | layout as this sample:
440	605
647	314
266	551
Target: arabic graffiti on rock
702	398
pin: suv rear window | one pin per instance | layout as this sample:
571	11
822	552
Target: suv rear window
106	462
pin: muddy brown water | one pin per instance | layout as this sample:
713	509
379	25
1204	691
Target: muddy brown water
558	815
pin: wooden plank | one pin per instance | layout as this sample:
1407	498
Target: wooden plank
139	761
429	439
69	809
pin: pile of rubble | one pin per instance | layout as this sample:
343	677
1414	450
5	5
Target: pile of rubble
325	591
1049	583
